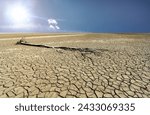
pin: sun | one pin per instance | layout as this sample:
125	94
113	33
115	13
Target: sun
18	14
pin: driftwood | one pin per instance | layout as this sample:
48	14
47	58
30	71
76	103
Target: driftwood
23	42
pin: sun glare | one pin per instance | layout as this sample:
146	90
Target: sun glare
18	14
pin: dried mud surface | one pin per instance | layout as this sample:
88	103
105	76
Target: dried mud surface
112	68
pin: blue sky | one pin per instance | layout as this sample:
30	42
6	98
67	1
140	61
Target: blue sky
75	16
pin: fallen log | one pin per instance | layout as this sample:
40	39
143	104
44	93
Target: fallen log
23	42
82	50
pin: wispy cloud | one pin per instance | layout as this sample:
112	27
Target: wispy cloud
53	24
21	26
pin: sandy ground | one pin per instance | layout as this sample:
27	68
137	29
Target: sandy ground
116	67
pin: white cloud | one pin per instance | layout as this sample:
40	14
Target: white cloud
57	27
52	21
53	24
52	27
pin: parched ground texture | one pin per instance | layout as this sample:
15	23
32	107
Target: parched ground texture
116	67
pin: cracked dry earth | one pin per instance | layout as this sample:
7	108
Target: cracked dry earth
115	68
